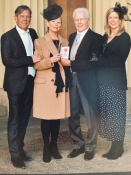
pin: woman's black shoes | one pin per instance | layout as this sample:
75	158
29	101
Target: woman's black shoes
50	151
108	153
115	151
55	153
46	155
116	154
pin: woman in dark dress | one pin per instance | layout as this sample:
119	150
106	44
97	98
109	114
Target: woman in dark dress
113	81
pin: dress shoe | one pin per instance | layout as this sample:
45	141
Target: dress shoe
76	152
18	162
89	155
24	156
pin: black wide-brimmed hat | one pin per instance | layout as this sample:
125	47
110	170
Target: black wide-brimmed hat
52	12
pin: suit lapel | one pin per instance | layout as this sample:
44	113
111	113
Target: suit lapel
33	37
50	45
18	39
85	41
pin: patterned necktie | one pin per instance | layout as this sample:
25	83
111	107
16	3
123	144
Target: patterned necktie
75	46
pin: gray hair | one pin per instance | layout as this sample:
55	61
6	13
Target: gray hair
83	10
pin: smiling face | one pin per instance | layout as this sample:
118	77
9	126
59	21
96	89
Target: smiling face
54	25
113	21
23	20
81	21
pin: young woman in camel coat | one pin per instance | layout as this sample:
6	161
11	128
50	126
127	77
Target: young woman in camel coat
51	102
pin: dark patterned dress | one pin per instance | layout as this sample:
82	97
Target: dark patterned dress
112	113
113	85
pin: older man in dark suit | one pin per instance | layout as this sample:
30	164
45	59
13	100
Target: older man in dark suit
18	59
85	47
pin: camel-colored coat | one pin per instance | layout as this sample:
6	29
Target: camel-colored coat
45	103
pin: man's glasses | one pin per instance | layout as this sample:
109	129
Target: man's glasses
80	20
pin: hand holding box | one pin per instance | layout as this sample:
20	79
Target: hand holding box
64	51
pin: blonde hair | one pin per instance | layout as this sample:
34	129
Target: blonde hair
107	27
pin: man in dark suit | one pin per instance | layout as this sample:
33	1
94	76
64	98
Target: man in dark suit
85	45
18	59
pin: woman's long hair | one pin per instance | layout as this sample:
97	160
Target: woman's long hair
108	28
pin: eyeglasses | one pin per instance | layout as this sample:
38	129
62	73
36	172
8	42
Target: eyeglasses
80	20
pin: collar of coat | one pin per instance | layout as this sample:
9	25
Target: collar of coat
50	45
